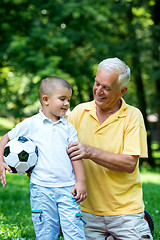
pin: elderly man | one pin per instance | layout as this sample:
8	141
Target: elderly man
112	137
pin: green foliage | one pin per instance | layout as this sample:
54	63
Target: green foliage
5	125
67	38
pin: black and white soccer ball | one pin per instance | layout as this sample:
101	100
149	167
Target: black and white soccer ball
21	155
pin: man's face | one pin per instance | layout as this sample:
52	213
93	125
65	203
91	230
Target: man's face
106	90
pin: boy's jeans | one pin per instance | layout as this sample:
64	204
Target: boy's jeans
52	207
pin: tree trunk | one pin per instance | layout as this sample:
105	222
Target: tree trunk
137	72
156	58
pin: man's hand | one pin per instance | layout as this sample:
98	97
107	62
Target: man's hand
3	168
77	151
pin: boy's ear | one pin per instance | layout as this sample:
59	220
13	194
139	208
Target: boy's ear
45	100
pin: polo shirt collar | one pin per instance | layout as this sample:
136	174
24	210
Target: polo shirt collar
121	112
45	119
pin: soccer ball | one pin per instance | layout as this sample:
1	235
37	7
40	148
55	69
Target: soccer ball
21	155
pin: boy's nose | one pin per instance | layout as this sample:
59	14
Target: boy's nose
66	103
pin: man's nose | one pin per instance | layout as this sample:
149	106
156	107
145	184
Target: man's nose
99	90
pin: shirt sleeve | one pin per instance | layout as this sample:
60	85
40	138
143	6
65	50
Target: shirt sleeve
135	137
21	129
72	133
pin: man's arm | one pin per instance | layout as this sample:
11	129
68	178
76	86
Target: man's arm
79	190
3	165
114	162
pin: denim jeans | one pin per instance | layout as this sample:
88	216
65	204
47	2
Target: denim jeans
52	207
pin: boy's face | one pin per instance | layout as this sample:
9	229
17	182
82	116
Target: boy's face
56	104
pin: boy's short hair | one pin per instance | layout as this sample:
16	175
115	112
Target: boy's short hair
48	85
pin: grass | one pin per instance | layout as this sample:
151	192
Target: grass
15	212
151	189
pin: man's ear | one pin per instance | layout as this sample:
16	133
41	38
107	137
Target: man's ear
45	100
123	90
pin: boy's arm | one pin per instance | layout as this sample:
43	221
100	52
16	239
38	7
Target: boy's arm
79	190
3	165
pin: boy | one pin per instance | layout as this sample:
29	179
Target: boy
57	186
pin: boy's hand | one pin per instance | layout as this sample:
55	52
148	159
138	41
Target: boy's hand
3	168
79	191
29	174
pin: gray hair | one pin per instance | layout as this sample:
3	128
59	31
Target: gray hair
112	64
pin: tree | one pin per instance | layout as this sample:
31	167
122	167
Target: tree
68	39
155	75
136	54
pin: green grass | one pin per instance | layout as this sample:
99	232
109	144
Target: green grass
151	195
15	212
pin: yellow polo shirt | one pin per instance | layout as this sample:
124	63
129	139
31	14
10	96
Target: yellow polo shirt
111	193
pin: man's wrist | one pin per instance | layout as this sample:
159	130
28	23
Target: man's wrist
89	152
